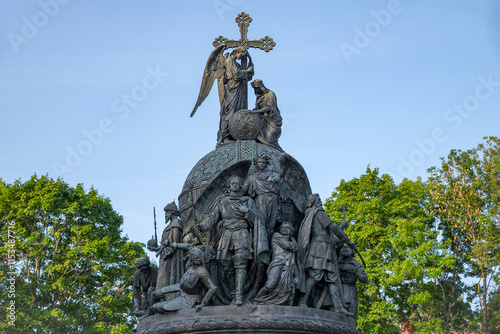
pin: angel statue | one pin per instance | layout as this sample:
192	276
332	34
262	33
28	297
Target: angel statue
232	82
263	187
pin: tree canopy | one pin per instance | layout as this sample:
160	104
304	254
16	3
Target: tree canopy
431	247
73	267
393	230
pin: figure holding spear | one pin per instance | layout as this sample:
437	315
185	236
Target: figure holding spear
171	265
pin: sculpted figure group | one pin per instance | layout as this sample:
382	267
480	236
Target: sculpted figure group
254	251
232	78
251	256
251	237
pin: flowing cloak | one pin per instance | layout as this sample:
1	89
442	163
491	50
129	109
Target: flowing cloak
349	287
235	98
316	249
233	231
270	127
171	268
265	195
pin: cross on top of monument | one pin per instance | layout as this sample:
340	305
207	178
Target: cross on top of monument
243	21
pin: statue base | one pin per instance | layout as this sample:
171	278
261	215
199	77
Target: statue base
248	319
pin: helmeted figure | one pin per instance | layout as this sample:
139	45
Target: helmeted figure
263	187
317	253
171	265
143	283
282	273
235	218
267	106
351	271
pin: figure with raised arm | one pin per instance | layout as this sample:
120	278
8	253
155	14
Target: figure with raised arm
318	255
232	83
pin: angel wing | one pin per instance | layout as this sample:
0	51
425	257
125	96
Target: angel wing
213	70
294	182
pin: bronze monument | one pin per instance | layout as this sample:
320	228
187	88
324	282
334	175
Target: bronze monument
267	257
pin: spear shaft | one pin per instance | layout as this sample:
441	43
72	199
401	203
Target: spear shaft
154	214
355	249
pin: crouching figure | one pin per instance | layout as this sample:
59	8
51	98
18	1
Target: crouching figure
144	283
192	284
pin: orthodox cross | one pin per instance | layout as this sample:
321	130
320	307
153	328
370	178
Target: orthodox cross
265	43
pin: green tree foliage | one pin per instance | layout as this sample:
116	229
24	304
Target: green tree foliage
489	153
395	234
424	242
494	312
74	268
456	204
465	193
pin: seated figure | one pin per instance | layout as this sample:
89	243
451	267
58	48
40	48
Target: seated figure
266	106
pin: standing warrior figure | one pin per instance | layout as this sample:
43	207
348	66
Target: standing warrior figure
266	106
263	187
282	274
234	215
171	265
317	253
144	282
350	272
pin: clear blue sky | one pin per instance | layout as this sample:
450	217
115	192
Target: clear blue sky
391	84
